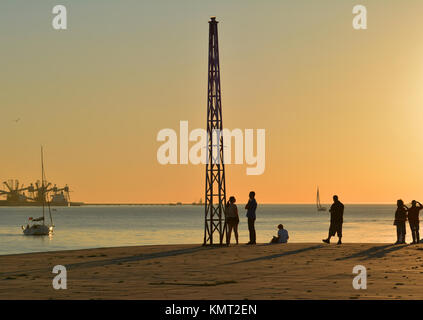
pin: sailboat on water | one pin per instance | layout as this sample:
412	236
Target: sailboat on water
38	226
318	204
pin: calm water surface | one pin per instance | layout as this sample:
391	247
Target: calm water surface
109	226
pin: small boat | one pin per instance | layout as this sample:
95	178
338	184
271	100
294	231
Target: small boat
37	229
318	204
38	226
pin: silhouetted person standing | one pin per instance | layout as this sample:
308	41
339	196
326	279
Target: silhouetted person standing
232	219
251	215
336	219
413	219
400	219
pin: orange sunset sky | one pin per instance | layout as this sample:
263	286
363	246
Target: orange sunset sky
342	109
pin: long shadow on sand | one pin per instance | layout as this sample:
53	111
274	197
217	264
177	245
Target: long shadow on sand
374	252
105	262
140	257
279	255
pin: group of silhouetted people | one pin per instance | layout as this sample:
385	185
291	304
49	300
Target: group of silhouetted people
412	214
232	218
232	221
402	214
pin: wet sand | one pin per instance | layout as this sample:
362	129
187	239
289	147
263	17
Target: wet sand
292	271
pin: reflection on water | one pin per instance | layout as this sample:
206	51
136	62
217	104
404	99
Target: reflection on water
105	226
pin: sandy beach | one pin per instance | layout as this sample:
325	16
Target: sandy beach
292	271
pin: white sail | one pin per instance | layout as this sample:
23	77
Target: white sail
318	204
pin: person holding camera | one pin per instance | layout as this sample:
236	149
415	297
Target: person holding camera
414	221
400	219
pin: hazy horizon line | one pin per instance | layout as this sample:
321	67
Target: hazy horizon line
267	203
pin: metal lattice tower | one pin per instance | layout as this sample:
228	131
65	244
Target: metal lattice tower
215	168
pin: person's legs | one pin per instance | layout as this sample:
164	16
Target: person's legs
250	229
339	232
417	233
236	232
330	233
228	235
254	232
411	229
413	232
399	233
403	232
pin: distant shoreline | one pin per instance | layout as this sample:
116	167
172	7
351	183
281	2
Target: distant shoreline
81	204
202	204
141	204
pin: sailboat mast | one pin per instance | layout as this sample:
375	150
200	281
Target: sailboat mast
318	199
44	187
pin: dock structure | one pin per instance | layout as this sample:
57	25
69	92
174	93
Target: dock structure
215	189
15	194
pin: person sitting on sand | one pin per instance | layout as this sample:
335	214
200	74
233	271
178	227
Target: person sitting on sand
282	235
336	219
413	219
400	219
232	219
